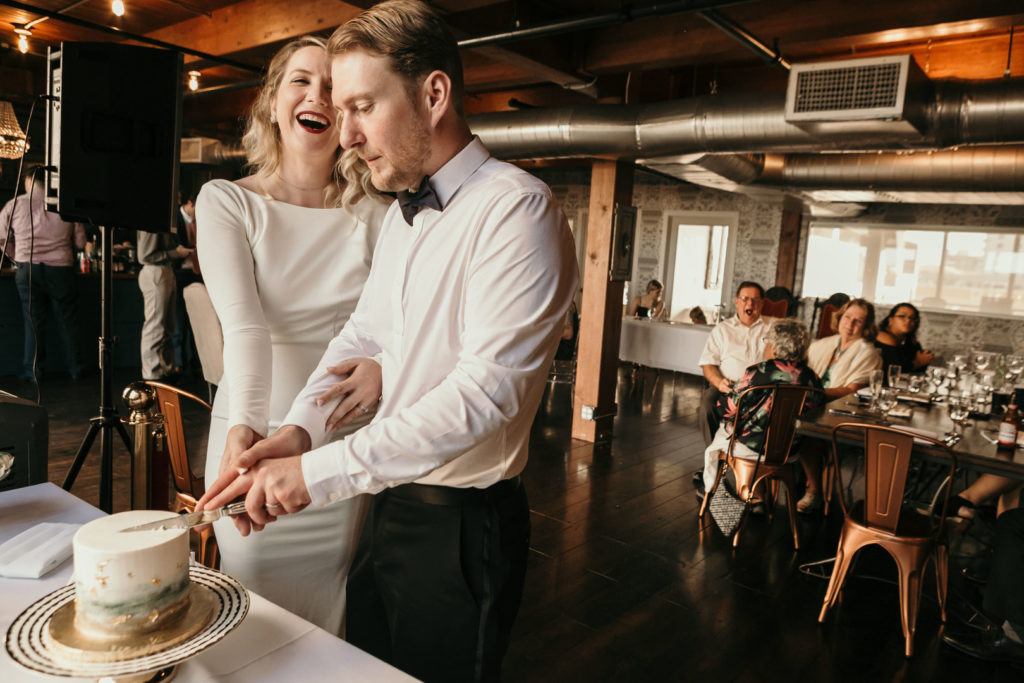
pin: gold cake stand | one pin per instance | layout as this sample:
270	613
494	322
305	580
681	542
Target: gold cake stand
43	638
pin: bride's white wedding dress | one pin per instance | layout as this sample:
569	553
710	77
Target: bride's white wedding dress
284	280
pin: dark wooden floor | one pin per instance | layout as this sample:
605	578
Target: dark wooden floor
623	583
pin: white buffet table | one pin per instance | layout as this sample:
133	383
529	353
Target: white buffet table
270	644
671	346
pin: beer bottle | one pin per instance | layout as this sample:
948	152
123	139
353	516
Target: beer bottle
1008	427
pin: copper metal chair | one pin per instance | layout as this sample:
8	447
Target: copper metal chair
911	537
188	487
786	403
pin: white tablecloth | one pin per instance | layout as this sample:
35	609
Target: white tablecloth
672	346
270	644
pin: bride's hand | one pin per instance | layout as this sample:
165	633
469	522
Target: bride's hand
240	438
359	391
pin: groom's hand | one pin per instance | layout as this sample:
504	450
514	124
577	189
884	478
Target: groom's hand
288	441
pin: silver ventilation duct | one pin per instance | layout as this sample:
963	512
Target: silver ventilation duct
959	112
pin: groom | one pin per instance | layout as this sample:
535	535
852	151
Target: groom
464	304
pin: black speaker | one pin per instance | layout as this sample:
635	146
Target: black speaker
24	433
113	134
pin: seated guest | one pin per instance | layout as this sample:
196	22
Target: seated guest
785	352
1004	599
570	330
844	363
897	339
648	305
697	316
733	345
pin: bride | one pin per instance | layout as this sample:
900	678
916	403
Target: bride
285	254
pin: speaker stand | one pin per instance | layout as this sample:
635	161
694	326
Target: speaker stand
107	421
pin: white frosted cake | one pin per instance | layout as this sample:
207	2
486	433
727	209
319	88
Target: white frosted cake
129	583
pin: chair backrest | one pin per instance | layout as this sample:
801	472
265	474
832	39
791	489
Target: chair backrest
206	330
775	297
784	403
775	309
168	402
827	309
887	455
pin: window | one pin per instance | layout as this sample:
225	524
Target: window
938	268
698	260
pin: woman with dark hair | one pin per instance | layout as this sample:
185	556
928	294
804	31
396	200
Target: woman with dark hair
897	339
286	252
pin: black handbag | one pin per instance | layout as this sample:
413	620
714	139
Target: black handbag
727	509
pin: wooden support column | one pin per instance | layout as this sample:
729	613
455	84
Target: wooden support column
597	358
789	242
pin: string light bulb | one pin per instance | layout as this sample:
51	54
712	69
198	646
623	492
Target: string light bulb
117	7
193	80
23	35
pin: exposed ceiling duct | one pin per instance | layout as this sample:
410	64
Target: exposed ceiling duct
960	112
740	143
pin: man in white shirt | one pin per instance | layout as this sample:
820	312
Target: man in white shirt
464	305
733	345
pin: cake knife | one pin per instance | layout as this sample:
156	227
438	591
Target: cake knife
191	519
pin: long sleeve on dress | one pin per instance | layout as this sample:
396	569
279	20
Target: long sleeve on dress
230	279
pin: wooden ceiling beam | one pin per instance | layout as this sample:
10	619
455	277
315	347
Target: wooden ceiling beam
799	26
254	23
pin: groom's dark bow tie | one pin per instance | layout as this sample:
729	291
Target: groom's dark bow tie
412	202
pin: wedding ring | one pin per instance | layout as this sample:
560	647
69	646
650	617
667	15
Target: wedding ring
273	505
363	408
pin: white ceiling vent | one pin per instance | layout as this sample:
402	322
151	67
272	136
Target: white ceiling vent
876	89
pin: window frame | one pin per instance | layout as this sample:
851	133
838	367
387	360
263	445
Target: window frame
675	218
832	223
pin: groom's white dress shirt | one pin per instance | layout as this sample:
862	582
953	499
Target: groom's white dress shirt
464	310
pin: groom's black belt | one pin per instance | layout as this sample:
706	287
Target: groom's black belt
450	495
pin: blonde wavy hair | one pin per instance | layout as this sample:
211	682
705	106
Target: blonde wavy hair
350	177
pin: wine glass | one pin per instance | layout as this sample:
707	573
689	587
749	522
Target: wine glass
981	360
959	408
1014	367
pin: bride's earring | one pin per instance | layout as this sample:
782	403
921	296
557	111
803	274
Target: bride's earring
273	119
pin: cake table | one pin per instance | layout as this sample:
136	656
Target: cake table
271	644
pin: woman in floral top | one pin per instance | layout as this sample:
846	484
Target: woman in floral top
785	363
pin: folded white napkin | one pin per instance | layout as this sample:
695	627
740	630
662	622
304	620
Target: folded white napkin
37	551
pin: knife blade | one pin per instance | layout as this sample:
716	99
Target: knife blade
191	519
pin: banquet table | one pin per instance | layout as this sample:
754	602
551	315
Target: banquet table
661	344
270	644
973	451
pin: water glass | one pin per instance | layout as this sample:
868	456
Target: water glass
886	400
894	373
915	383
876	382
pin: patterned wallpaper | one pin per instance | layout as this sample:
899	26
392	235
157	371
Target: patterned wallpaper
757	238
757	246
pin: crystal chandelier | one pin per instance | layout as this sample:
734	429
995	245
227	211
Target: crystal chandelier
12	140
